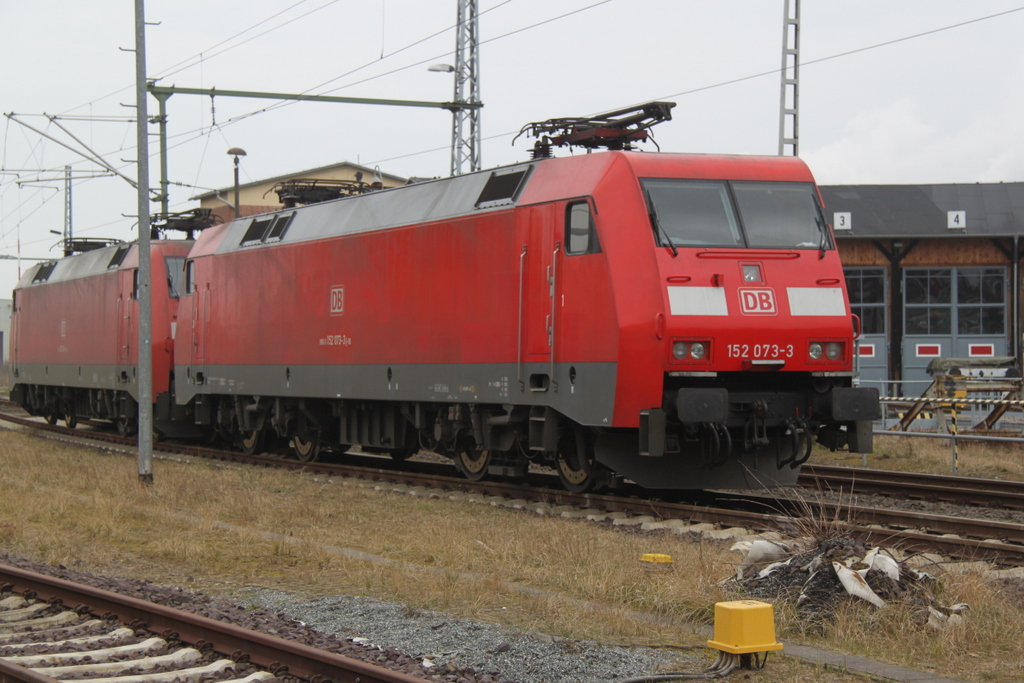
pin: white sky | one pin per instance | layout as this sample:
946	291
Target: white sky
943	107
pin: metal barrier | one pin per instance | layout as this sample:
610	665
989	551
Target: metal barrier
919	404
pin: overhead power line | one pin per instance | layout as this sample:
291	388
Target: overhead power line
847	53
762	74
199	57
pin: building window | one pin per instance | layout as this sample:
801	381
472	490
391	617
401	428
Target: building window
971	301
866	287
929	299
981	298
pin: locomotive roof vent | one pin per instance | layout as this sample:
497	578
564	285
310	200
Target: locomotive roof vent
44	272
266	230
503	187
118	256
620	129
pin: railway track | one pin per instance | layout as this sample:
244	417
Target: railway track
113	638
976	539
916	486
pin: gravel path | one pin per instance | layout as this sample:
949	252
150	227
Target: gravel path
459	644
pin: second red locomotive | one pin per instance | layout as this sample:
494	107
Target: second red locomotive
74	334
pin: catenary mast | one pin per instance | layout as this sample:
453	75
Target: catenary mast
789	102
466	121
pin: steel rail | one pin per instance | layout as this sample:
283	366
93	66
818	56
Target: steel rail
915	485
10	673
275	654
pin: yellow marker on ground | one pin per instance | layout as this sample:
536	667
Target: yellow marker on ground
743	627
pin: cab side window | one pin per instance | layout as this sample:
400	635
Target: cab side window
190	277
580	236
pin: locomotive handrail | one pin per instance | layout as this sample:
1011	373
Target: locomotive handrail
747	253
554	299
519	348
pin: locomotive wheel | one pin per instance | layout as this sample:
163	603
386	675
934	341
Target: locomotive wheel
306	451
51	418
126	426
70	419
252	442
472	462
575	477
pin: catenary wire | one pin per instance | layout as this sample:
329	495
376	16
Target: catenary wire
847	53
679	94
198	133
764	73
203	55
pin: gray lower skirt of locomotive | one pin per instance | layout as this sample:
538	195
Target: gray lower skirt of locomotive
664	460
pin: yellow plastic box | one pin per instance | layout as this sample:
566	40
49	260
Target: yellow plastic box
744	626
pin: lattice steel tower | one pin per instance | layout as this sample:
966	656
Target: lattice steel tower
466	121
789	103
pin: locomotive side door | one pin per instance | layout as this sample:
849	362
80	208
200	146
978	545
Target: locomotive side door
125	300
539	278
197	323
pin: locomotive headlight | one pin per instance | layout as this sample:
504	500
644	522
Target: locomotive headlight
697	350
814	350
833	350
752	272
679	350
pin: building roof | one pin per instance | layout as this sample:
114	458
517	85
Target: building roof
309	173
884	211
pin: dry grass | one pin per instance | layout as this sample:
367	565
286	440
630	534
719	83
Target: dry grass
923	454
72	506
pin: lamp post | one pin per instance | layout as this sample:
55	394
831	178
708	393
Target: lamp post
236	152
456	130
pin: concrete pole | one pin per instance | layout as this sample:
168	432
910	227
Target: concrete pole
145	371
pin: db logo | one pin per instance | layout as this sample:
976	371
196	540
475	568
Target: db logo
757	301
337	300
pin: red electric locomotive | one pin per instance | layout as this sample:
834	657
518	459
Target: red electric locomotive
74	334
677	320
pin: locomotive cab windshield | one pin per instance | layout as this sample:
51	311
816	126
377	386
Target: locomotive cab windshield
735	214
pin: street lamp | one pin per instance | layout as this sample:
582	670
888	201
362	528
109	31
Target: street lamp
236	152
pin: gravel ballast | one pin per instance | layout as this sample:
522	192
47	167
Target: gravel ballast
398	637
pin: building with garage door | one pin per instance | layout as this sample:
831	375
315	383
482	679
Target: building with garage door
933	271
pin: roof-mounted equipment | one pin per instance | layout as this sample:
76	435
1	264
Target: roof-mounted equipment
80	245
188	222
619	130
313	191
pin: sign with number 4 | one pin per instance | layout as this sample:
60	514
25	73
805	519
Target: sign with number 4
956	220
